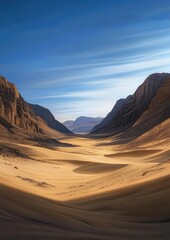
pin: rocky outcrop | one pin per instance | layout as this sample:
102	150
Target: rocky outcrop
48	117
14	111
148	106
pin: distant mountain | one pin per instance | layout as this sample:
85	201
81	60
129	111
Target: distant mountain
146	108
68	123
82	124
48	117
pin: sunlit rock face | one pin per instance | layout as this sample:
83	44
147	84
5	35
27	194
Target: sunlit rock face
14	110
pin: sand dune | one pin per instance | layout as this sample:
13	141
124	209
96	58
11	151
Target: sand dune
139	153
88	191
95	168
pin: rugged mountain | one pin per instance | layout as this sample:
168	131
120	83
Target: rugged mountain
48	117
82	124
16	115
14	111
146	108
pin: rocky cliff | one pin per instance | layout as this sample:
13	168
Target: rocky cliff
14	111
148	106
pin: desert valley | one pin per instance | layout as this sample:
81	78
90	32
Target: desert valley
112	183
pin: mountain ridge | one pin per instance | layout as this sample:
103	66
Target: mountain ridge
16	113
133	109
49	118
82	124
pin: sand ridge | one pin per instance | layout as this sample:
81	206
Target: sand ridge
88	191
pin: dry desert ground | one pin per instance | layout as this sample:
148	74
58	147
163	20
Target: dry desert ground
90	190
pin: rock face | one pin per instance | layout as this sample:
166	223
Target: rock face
147	107
82	124
14	111
48	117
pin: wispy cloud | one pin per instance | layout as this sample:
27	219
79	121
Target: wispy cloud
138	63
81	62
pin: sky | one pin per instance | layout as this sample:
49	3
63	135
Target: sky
78	57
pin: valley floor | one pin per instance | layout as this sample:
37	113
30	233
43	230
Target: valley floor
88	191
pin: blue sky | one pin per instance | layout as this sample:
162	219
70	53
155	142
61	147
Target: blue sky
77	57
